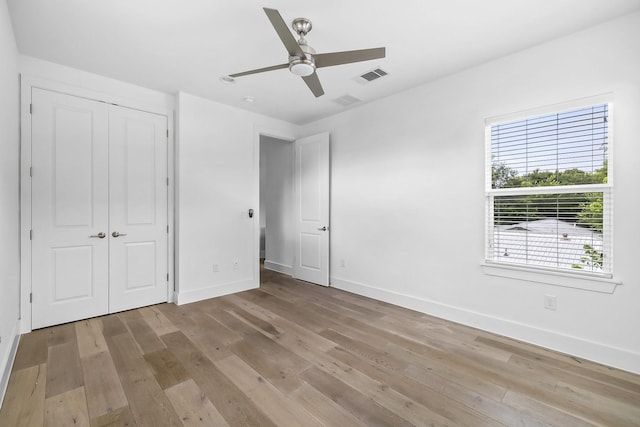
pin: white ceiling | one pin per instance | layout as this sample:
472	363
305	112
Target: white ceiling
187	45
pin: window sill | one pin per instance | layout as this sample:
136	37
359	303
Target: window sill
567	280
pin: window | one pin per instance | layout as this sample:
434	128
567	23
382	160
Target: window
549	193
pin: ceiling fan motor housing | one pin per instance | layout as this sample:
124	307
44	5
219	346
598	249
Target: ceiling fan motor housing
303	66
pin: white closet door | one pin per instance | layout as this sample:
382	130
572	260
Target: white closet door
137	208
69	191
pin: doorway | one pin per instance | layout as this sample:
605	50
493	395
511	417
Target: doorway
276	204
294	206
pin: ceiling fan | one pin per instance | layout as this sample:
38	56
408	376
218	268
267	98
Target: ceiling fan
303	59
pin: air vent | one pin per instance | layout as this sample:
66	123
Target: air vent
346	100
373	74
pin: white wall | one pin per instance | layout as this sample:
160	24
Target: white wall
408	201
9	205
278	195
218	163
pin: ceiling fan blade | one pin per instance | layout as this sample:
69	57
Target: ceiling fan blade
260	70
314	84
349	56
283	31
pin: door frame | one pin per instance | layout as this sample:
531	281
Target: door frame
284	135
27	83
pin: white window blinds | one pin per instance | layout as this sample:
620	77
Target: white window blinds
548	192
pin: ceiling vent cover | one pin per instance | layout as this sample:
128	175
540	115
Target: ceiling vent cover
373	74
346	100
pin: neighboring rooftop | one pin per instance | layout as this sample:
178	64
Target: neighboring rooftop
548	243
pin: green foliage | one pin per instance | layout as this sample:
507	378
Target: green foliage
582	208
505	177
501	174
591	211
593	258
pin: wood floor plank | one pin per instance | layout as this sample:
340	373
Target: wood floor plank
233	322
67	409
147	401
61	334
236	408
157	320
366	409
323	408
296	294
428	393
210	327
534	368
120	417
264	395
90	338
145	337
428	363
102	385
298	339
64	372
381	392
112	325
24	400
258	323
366	351
32	350
205	332
279	365
294	312
193	406
167	370
545	413
574	365
595	406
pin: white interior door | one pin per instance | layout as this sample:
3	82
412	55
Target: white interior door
99	208
69	191
311	206
137	208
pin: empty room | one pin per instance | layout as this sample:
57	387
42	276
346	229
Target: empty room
218	213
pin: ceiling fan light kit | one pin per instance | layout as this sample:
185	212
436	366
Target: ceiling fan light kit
303	60
302	67
306	65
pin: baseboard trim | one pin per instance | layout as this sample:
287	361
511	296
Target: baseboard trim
214	291
280	268
589	350
7	363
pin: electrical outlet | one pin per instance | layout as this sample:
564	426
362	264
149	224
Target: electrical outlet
342	263
235	264
550	302
216	268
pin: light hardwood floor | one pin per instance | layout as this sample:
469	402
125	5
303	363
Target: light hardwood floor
295	354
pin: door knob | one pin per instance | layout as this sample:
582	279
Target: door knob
100	235
322	229
117	234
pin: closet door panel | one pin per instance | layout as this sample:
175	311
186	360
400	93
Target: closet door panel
137	208
69	190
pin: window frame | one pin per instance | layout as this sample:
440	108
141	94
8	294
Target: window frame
584	279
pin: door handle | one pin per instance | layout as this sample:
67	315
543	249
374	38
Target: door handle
117	234
100	235
322	229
